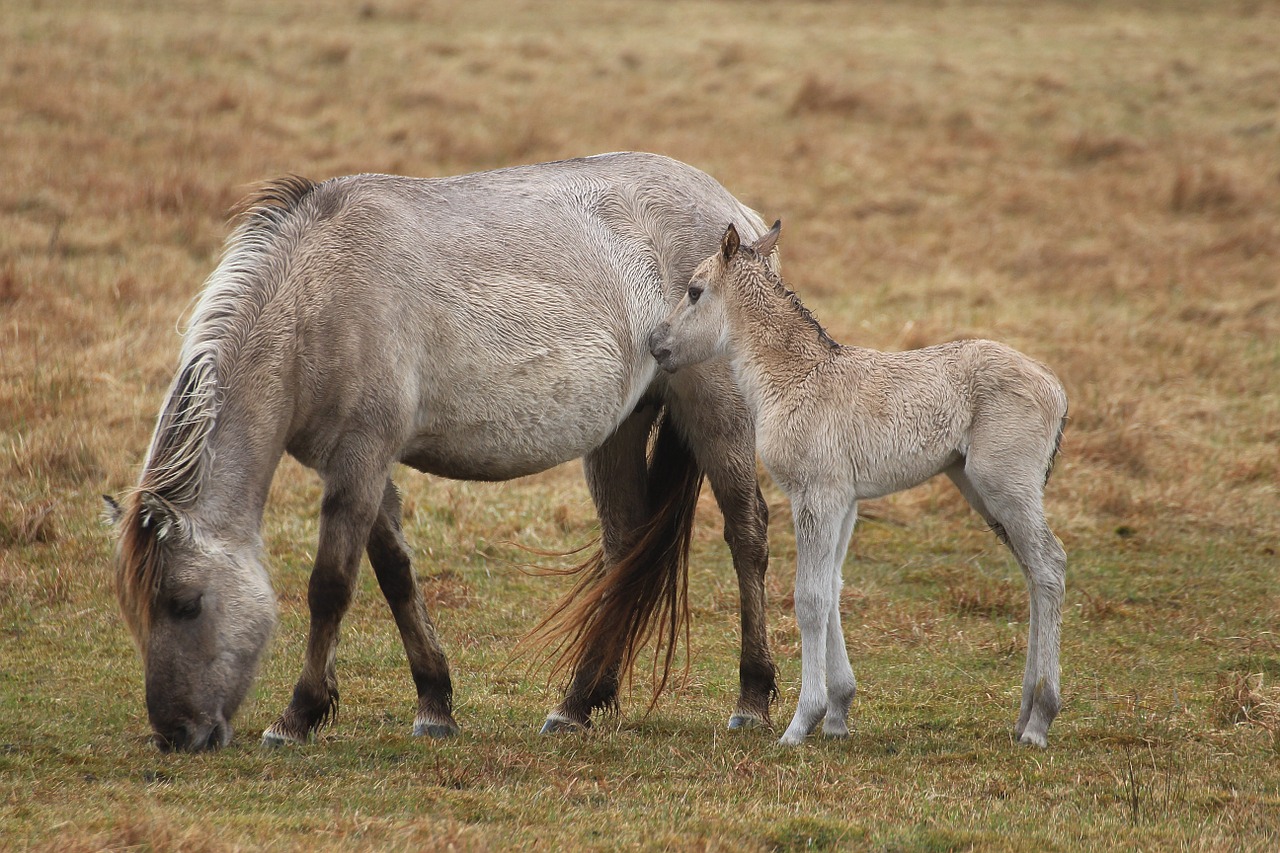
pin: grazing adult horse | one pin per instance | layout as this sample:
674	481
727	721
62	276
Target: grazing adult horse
836	425
478	327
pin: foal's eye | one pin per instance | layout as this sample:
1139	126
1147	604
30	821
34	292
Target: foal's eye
187	607
694	293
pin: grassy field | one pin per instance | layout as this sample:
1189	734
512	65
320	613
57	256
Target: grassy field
1096	183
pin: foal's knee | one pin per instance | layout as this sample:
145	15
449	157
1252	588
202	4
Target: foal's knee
811	606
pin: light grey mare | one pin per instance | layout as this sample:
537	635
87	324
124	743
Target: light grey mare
480	327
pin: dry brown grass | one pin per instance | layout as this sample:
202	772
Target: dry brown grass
1095	183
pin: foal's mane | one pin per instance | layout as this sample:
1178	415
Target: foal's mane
178	461
761	266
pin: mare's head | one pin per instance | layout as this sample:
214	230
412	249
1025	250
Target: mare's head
191	588
697	329
201	613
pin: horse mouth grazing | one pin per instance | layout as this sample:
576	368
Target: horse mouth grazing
193	738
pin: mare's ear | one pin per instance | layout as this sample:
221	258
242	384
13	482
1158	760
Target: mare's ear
729	243
768	240
112	512
159	515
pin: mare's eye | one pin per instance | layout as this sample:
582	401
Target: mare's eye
187	607
694	293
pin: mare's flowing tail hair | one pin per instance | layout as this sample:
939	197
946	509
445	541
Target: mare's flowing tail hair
614	610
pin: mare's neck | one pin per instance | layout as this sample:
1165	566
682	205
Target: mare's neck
247	444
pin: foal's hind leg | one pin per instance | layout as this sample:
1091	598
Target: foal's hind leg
1011	502
346	516
389	556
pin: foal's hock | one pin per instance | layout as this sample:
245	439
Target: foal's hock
837	424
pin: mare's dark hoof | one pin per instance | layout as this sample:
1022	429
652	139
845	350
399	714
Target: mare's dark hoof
559	725
742	722
439	731
273	738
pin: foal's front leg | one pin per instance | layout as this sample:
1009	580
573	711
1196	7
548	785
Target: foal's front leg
841	685
817	535
346	517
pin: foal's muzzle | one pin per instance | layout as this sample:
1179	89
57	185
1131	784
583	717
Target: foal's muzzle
658	348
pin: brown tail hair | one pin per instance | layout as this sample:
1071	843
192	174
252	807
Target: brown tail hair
613	611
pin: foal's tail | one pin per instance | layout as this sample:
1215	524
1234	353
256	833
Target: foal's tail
613	611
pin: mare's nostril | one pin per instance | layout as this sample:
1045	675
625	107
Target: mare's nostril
175	740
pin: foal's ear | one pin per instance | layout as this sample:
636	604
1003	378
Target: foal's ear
764	245
729	243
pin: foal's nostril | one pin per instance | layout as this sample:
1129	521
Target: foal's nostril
655	339
662	354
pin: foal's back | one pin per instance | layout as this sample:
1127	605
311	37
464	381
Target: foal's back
886	421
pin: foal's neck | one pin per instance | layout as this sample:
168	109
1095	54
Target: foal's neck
777	342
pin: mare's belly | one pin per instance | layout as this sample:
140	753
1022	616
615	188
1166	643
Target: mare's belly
524	413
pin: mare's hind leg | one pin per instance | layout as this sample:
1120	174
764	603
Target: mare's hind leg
1012	503
389	556
616	474
346	516
841	685
719	429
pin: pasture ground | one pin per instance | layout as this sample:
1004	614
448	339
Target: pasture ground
1096	183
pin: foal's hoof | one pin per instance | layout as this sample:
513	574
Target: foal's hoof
1033	739
743	722
557	724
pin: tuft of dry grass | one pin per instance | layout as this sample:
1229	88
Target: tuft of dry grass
1244	699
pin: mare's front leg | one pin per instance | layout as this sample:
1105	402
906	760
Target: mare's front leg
711	413
817	534
346	516
389	556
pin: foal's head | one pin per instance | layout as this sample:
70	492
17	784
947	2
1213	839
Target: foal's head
201	612
697	330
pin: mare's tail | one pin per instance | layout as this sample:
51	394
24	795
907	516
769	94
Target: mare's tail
614	610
